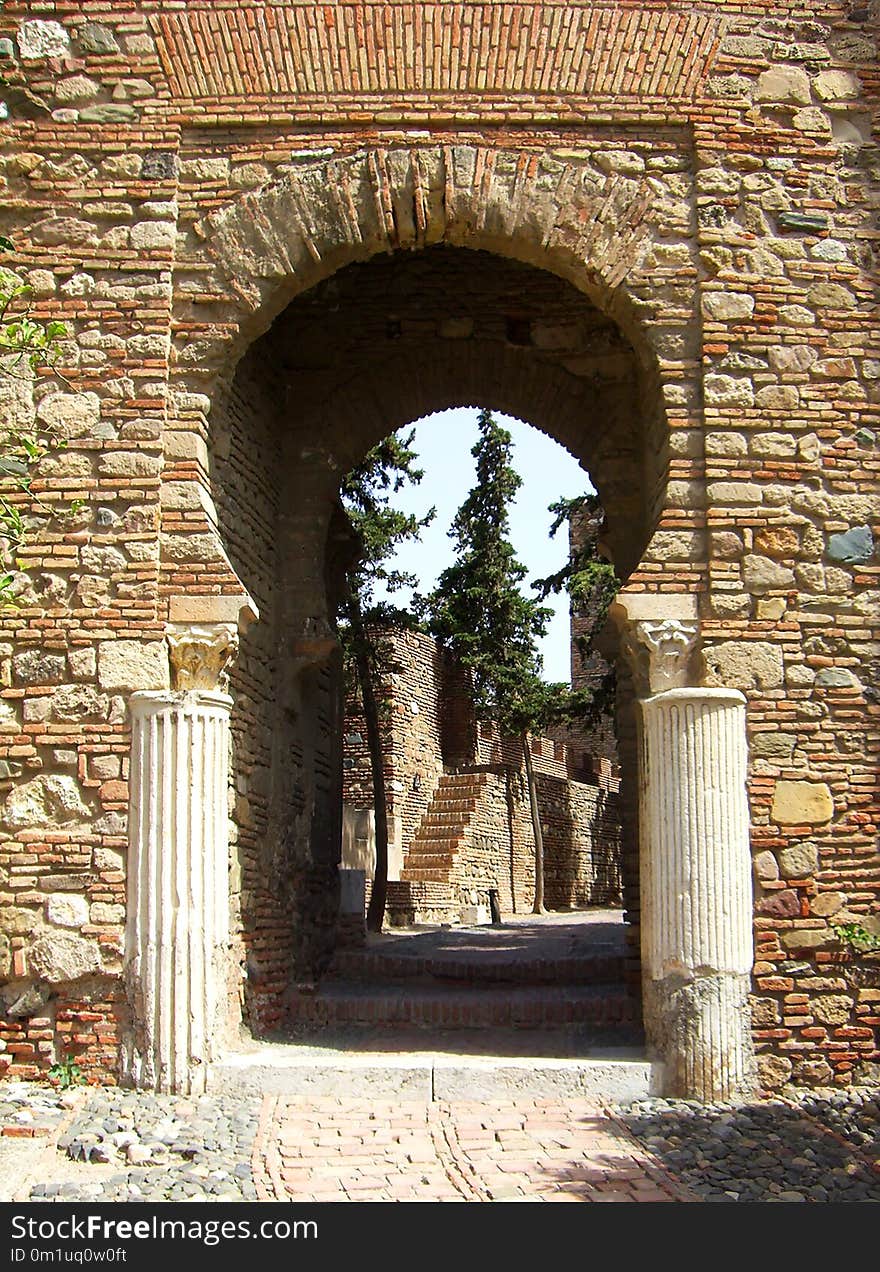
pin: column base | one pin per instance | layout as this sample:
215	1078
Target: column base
701	1029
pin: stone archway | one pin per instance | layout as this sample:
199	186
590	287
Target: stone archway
597	226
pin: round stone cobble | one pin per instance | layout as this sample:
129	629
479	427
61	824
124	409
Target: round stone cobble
822	1146
165	1148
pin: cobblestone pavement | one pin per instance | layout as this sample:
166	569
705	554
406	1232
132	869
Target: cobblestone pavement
113	1145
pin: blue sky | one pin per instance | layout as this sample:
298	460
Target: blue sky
443	443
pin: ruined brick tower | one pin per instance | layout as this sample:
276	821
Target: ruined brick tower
278	230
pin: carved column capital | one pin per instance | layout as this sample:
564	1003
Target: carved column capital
668	644
200	653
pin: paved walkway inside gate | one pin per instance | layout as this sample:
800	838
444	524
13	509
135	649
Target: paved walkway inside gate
527	1150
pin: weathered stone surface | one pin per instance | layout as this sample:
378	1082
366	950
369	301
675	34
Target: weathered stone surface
827	903
70	415
60	956
837	678
77	88
836	86
108	113
788	358
149	236
35	667
784	84
832	1009
773	1071
132	665
40	38
831	296
728	306
807	939
47	800
766	866
776	745
66	909
79	702
744	665
761	574
779	542
782	904
799	861
97	39
800	802
101	912
766	1013
724	390
855	546
778	397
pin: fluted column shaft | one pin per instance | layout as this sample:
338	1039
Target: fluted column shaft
178	890
697	945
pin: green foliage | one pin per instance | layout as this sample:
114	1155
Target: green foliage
478	610
67	1073
592	585
857	937
26	347
367	493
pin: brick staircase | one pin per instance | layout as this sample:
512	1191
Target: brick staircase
424	892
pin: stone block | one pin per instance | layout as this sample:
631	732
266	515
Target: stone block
728	306
725	390
799	861
766	866
766	1013
40	38
782	904
854	547
800	802
827	903
832	1009
761	574
784	85
60	956
132	665
778	542
773	1072
66	909
36	667
45	801
773	746
97	39
744	665
778	397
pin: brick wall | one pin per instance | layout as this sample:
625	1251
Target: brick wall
710	357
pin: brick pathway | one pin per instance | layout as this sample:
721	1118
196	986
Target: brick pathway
330	1149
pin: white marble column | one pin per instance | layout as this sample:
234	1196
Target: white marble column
696	885
177	935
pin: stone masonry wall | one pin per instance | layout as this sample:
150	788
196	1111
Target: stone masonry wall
578	816
703	179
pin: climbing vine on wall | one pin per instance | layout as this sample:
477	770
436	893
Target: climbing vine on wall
27	347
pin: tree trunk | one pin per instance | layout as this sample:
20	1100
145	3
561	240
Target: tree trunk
376	908
538	907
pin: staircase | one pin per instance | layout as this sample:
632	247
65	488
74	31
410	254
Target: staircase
530	1006
424	893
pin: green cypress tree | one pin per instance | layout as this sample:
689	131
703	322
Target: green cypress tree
480	614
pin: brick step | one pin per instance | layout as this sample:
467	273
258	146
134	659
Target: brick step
602	966
521	1007
440	843
442	857
451	806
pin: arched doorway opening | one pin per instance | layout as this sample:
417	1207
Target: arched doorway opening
354	358
587	328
